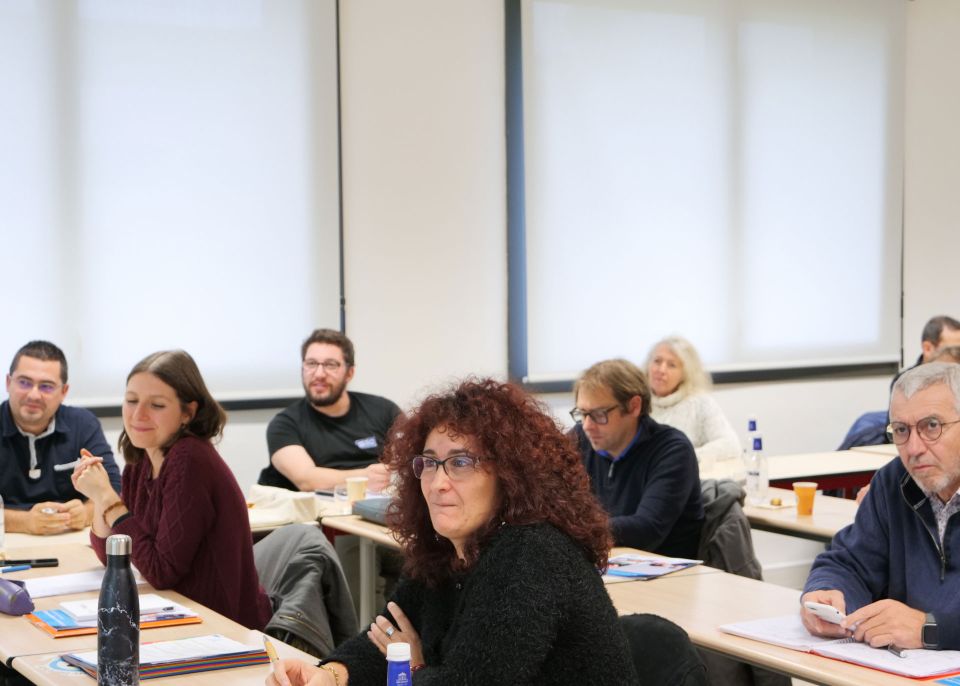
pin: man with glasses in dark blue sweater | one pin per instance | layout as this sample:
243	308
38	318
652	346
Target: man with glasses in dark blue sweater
644	474
894	570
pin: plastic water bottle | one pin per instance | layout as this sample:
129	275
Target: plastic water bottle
118	619
398	664
758	480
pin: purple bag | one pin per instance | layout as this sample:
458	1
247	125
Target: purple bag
14	598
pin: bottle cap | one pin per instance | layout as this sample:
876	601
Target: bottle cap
119	544
398	652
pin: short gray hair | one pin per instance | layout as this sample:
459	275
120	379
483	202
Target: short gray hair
927	375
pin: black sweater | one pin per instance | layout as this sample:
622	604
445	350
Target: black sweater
531	611
652	493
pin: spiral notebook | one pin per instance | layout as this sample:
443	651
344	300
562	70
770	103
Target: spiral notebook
789	632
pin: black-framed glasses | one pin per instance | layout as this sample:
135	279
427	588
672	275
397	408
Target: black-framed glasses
599	416
929	429
27	384
310	366
457	467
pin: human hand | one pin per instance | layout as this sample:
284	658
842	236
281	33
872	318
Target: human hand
383	632
817	626
91	479
862	493
77	511
47	518
378	477
290	672
887	622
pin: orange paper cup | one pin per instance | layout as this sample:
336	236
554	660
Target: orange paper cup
805	491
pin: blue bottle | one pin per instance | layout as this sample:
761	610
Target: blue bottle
398	664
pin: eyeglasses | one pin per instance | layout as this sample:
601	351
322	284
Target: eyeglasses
328	365
929	429
599	416
26	385
457	467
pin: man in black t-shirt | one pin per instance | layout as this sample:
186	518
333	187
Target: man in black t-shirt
331	433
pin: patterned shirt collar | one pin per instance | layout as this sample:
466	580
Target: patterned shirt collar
943	511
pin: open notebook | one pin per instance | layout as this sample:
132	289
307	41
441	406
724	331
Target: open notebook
789	632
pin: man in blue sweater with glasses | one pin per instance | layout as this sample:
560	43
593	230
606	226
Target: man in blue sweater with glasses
894	570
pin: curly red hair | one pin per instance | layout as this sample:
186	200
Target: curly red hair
538	469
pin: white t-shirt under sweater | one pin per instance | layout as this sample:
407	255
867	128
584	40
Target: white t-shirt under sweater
701	419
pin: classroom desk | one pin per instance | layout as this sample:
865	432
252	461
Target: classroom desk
888	449
702	602
847	470
35	654
15	541
371	534
829	516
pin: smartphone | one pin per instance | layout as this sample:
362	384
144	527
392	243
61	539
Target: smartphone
827	613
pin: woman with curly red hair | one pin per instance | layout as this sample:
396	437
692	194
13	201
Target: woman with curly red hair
503	547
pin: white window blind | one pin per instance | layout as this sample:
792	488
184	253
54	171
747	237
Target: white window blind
169	178
727	170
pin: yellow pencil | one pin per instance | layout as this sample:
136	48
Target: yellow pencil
274	658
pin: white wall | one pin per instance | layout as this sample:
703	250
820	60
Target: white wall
931	197
424	204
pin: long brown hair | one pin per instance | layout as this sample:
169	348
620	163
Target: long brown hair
179	371
538	470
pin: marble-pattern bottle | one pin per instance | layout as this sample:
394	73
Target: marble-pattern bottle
118	619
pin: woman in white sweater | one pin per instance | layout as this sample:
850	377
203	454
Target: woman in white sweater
680	388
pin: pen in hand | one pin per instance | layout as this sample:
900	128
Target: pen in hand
899	652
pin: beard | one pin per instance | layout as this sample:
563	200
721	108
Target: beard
325	399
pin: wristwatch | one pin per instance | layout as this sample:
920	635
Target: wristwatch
929	635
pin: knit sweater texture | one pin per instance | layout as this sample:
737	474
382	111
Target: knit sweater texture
532	610
699	416
191	531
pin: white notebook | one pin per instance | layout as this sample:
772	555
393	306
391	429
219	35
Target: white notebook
789	632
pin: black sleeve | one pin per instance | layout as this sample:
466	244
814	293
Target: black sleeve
366	665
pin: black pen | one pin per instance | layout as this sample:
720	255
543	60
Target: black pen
43	562
899	652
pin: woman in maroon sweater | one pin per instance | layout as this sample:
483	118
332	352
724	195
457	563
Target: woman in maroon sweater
180	503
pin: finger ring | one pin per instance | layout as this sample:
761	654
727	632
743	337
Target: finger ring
389	631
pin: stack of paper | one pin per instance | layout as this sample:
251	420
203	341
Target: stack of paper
183	656
79	617
64	584
636	566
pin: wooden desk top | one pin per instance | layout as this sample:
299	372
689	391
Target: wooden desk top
702	602
829	516
19	637
812	465
36	654
49	670
358	526
14	542
884	449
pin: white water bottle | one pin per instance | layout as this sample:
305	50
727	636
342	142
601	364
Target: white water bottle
758	480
